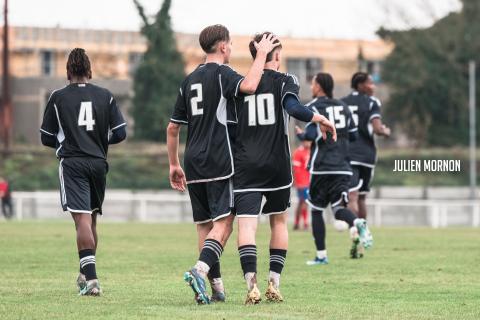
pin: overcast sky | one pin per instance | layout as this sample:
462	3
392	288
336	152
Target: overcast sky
349	19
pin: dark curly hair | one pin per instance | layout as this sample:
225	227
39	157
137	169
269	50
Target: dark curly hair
325	80
78	64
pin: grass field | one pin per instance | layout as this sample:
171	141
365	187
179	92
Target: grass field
412	273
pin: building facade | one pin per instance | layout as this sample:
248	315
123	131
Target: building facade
38	59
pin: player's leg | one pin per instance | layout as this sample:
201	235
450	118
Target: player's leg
247	207
214	275
298	209
305	209
359	231
367	177
318	200
213	200
362	206
355	184
76	199
319	235
276	207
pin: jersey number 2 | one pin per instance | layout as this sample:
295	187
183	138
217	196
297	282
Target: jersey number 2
263	105
196	110
85	117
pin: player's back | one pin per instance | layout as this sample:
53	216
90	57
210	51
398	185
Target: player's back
85	113
364	108
202	105
329	157
262	154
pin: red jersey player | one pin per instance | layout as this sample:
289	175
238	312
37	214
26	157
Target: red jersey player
301	181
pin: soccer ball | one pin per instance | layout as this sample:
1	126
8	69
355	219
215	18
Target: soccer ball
340	225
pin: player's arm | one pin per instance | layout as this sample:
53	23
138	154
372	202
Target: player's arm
376	120
178	118
252	79
118	126
309	134
49	127
295	109
177	177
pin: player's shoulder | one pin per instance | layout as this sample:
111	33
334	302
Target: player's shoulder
375	100
57	93
100	92
290	77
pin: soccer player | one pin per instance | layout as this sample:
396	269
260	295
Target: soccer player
330	169
81	120
263	167
6	197
202	106
301	180
365	109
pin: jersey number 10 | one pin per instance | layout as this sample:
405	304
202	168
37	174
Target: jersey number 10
263	105
85	116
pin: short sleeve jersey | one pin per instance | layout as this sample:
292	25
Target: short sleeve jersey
262	152
202	106
364	109
329	157
81	116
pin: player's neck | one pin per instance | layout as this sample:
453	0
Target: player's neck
214	58
78	80
271	66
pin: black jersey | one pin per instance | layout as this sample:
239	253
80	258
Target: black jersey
364	108
81	116
329	157
202	106
262	152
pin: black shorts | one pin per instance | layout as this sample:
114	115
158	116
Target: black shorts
211	201
361	179
328	189
249	204
82	184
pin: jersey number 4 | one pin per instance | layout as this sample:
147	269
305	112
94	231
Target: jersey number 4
263	105
85	117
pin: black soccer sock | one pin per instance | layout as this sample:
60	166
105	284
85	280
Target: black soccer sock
318	229
277	259
211	252
248	258
214	272
87	263
346	215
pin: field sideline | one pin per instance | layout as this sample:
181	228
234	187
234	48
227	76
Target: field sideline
412	273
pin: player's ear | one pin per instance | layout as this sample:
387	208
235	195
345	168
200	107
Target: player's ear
222	46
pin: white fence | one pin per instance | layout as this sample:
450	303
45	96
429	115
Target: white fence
173	207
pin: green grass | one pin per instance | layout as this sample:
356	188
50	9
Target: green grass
412	273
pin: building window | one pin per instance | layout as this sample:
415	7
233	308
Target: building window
373	68
304	68
48	63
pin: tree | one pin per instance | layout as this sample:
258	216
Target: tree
158	76
428	76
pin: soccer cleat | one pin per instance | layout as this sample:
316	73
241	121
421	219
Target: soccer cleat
354	250
217	296
317	261
197	283
364	234
81	282
273	294
91	289
253	296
